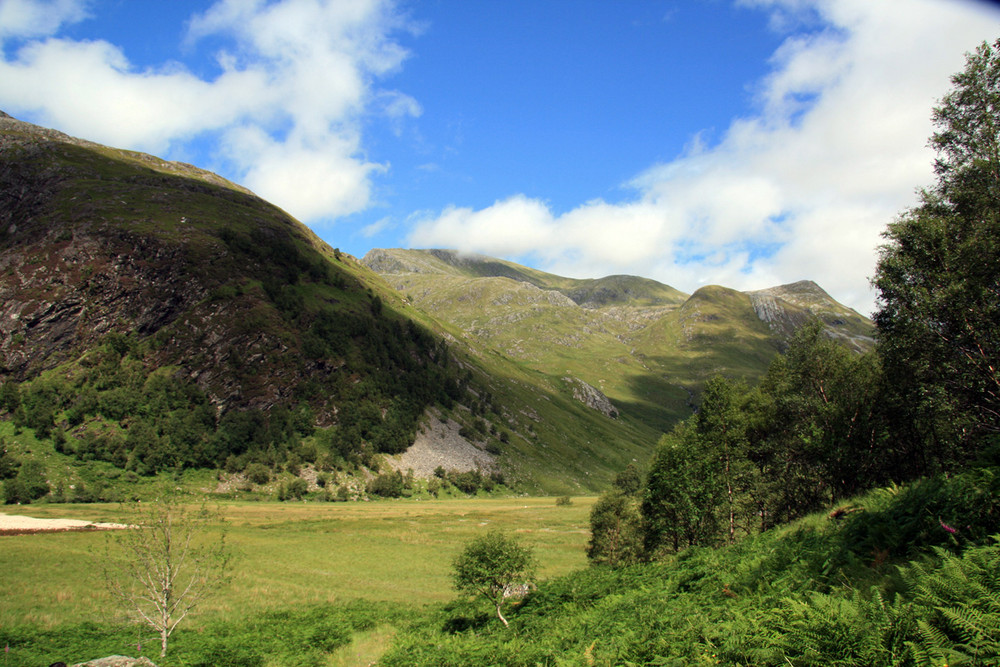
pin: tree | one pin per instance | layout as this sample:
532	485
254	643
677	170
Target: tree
629	480
494	566
820	434
938	314
680	502
165	563
721	425
32	476
616	536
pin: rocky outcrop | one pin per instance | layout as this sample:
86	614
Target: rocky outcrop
63	294
117	661
592	398
786	308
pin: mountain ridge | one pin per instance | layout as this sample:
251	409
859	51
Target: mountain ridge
642	343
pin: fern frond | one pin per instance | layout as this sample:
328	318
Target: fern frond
934	640
971	624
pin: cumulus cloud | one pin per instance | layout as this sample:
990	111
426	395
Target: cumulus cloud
283	109
802	188
38	18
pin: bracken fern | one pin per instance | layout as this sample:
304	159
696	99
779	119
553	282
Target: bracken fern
960	602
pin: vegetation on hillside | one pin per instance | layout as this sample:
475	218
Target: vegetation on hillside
890	584
719	555
716	560
162	320
648	347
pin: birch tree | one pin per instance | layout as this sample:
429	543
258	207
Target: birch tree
167	561
494	566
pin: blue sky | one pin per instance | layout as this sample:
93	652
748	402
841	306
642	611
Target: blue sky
748	143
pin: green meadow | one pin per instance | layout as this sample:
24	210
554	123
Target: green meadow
392	556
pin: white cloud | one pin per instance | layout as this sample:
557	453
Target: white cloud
294	85
377	227
38	18
801	189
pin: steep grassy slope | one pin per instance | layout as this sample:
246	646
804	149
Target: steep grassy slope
155	316
647	346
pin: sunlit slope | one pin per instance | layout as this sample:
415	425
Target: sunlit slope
647	346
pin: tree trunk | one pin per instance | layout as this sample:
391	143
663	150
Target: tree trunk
732	511
500	616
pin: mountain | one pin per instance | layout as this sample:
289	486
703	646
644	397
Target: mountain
646	346
156	317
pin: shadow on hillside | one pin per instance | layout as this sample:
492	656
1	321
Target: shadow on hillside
460	624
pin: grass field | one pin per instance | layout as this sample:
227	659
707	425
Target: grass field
293	554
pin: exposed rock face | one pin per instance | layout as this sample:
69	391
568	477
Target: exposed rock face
787	307
65	293
96	241
117	661
592	398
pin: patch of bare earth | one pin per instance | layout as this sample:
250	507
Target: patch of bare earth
13	524
439	444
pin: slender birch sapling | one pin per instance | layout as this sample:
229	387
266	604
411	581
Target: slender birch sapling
168	560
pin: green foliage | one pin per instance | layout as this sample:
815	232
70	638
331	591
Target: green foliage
939	307
681	496
15	493
494	567
32	476
616	537
294	489
810	593
257	473
300	636
387	485
753	458
28	484
960	600
628	481
8	462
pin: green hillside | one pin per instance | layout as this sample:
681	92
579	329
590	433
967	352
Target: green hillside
885	585
157	318
645	345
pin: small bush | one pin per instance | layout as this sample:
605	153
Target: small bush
257	473
293	490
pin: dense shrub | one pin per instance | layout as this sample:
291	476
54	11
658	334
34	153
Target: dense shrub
387	485
294	489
